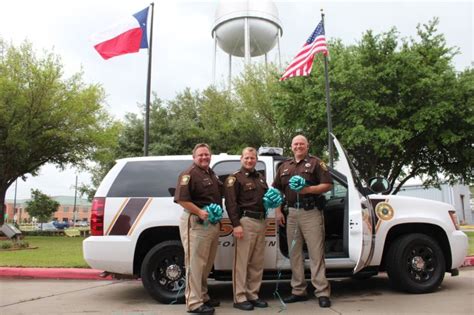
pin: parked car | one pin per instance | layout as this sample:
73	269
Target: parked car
60	225
49	226
135	228
81	224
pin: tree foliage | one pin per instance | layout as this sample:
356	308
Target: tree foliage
400	109
398	106
41	206
45	118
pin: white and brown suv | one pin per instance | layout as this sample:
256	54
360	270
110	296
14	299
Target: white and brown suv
134	226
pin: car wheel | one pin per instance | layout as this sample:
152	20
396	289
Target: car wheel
415	264
163	273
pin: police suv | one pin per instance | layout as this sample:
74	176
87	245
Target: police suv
134	229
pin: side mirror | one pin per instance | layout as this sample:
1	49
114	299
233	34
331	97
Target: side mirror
379	185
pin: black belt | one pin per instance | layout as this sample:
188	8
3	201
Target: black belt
253	214
301	206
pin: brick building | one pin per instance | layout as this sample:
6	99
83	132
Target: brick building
64	213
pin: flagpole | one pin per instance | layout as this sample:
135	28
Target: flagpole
148	88
328	103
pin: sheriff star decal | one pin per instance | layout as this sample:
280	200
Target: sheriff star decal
185	179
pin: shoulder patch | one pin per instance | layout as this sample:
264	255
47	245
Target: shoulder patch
229	182
323	166
185	180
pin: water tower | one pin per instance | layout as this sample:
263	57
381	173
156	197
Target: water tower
246	28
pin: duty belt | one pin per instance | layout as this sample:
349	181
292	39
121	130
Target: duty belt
300	205
253	214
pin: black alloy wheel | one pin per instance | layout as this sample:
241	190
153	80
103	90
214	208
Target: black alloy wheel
415	263
163	273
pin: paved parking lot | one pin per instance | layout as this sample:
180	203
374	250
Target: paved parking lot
372	296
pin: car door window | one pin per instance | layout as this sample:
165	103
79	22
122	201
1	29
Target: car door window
225	168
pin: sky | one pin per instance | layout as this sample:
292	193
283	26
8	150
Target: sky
183	47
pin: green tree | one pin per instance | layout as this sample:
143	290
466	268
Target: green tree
400	108
45	118
41	206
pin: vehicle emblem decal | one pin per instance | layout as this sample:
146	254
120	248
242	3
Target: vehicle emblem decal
384	212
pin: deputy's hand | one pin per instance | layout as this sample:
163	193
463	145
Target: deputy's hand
280	218
239	232
203	214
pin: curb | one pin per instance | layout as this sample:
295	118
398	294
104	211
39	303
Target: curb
53	273
468	261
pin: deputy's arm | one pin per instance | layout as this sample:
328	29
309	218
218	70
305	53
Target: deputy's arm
192	208
316	189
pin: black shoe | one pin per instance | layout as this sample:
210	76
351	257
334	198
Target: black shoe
324	301
295	298
244	306
213	303
203	309
259	303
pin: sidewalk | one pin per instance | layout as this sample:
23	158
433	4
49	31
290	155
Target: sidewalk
87	274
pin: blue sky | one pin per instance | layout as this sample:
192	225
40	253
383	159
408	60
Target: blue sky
183	46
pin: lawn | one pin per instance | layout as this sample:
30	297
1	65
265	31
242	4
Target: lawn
52	251
470	250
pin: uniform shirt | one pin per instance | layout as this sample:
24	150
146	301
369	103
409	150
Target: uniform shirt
199	186
244	190
310	168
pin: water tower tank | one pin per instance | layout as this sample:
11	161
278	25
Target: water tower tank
264	27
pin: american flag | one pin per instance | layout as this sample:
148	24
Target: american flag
303	62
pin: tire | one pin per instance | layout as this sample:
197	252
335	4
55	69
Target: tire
415	264
163	273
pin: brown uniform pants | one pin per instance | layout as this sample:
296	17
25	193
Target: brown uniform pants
307	226
248	260
200	246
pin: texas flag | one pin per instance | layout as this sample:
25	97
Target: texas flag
126	37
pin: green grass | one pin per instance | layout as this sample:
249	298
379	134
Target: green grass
470	250
52	251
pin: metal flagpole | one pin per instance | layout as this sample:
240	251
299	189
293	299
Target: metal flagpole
148	88
328	103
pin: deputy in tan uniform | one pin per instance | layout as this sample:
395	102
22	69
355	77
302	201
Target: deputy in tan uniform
305	220
243	192
198	187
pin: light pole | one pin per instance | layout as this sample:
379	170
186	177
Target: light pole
74	208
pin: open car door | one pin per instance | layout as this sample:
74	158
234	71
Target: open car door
360	238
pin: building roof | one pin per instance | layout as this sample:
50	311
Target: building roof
63	201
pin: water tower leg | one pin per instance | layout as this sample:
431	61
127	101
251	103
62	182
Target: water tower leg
247	41
266	60
214	61
230	72
278	44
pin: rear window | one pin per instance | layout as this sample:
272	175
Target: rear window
148	179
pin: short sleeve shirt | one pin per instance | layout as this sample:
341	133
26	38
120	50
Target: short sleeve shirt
311	168
244	190
198	186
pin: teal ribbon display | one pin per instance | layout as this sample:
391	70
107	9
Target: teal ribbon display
215	213
272	199
297	183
